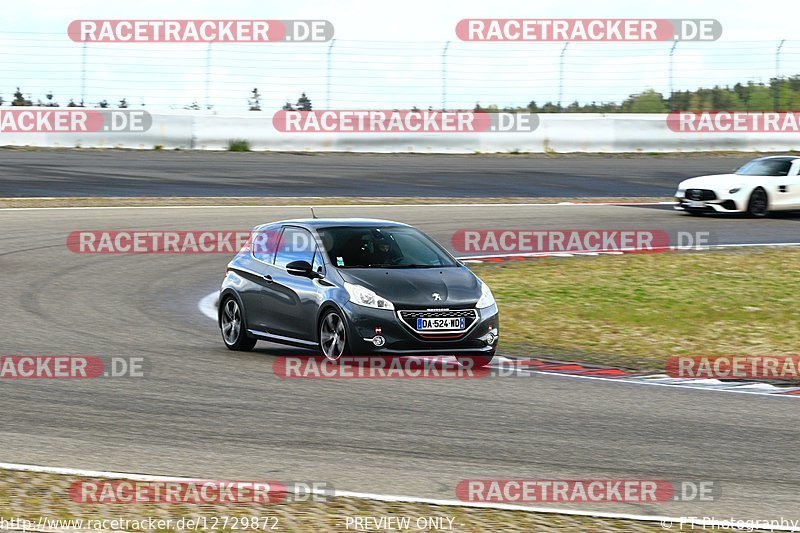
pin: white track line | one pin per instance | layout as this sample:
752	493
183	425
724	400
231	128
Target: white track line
388	498
686	383
327	206
208	305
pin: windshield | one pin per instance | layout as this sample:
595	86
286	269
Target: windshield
766	167
382	247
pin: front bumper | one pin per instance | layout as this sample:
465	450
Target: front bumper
720	203
365	323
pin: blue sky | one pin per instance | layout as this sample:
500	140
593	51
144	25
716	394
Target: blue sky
386	55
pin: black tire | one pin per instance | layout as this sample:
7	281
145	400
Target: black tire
475	361
333	341
232	326
758	205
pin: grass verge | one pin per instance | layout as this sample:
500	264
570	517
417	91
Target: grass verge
636	310
238	145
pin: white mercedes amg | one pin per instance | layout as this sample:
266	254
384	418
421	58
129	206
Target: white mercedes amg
764	184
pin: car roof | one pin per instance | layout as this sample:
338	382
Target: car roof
780	157
316	223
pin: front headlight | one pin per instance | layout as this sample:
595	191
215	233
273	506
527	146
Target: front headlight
363	296
681	193
486	299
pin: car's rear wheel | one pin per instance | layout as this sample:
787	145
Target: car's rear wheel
758	206
333	335
475	361
231	322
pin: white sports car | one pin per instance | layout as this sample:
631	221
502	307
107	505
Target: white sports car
764	184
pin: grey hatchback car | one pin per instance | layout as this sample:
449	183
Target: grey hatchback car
356	287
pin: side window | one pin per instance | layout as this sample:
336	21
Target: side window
263	244
295	245
783	168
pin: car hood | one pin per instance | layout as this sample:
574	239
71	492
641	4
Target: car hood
413	288
718	181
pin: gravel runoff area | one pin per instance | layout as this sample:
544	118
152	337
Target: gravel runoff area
43	499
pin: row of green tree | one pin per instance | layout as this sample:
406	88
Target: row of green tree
779	95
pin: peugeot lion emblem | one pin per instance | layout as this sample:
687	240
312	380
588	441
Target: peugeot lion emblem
436	296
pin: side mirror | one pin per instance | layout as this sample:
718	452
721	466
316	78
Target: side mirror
301	268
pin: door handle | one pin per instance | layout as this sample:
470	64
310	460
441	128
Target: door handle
267	278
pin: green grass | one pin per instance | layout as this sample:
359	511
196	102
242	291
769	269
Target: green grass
636	310
238	145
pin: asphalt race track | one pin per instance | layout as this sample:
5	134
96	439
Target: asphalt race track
205	411
159	173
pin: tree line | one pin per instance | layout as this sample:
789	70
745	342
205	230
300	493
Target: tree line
780	94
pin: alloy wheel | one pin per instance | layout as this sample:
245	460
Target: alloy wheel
231	322
332	336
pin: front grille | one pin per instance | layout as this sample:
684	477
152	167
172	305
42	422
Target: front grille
410	317
700	194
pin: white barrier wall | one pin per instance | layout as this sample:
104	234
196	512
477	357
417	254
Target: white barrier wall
580	132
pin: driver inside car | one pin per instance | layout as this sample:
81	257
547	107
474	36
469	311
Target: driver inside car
379	251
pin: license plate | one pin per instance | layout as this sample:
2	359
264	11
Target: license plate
426	324
696	203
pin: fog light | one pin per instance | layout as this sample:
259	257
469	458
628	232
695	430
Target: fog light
491	336
378	341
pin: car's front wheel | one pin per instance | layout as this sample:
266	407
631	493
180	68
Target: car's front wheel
231	322
333	335
758	206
